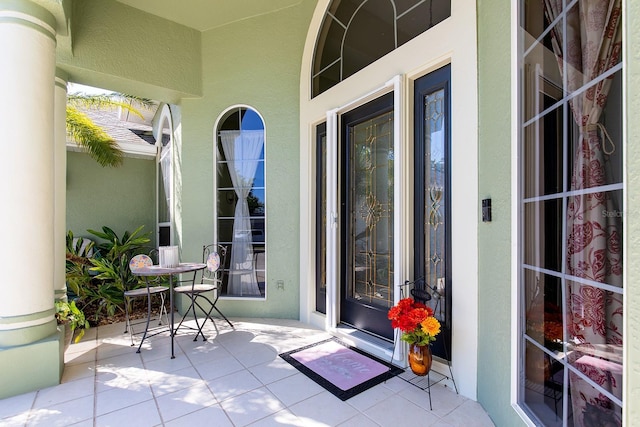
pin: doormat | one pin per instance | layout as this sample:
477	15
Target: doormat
341	369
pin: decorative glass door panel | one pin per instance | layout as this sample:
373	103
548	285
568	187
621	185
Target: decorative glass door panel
434	188
433	198
367	200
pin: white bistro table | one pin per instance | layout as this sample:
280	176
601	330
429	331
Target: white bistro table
156	270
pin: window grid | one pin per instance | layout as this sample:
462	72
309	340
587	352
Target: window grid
565	279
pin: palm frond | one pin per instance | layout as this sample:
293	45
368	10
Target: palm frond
111	100
100	146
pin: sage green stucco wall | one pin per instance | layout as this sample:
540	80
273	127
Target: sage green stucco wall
121	48
121	198
494	181
254	62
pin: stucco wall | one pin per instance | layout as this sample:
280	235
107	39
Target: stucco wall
494	238
121	48
255	62
121	198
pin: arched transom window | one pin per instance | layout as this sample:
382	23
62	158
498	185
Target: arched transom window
355	33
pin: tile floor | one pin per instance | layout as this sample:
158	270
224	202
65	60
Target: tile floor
234	379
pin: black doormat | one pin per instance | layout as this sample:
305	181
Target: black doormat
342	370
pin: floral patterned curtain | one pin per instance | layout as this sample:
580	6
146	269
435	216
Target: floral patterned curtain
591	45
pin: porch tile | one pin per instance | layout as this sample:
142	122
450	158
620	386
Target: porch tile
219	368
233	385
273	371
185	401
77	371
315	408
294	389
165	383
17	405
386	412
63	414
118	398
212	415
469	414
252	406
145	414
65	392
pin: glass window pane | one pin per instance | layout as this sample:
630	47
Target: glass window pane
542	81
421	18
589	406
403	5
596	157
594	326
543	302
543	385
589	26
343	10
594	230
543	159
329	44
225	228
258	179
370	36
327	79
256	200
371	195
543	234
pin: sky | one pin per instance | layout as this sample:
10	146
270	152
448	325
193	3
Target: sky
89	90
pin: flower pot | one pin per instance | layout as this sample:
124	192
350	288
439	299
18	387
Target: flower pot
420	359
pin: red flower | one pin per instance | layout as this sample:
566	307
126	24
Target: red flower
407	316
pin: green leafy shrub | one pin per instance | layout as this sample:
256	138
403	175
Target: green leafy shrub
99	280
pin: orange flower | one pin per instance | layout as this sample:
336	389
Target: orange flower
430	326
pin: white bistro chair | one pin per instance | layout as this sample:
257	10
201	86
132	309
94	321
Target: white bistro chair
214	256
137	262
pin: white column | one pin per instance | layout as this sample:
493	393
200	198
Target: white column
60	186
27	71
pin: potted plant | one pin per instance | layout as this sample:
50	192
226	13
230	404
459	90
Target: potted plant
67	313
419	328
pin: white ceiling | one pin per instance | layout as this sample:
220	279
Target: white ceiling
204	15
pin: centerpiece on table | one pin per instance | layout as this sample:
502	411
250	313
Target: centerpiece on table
419	328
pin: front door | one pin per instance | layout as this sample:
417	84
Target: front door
367	216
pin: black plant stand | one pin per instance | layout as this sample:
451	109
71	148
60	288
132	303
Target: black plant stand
422	382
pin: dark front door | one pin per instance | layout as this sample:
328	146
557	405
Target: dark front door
367	216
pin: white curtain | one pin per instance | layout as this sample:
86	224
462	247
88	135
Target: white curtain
242	150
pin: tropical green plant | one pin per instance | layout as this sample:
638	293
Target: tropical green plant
114	247
99	145
69	313
111	265
98	273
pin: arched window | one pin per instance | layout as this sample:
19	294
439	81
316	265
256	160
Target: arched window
241	202
355	33
164	179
